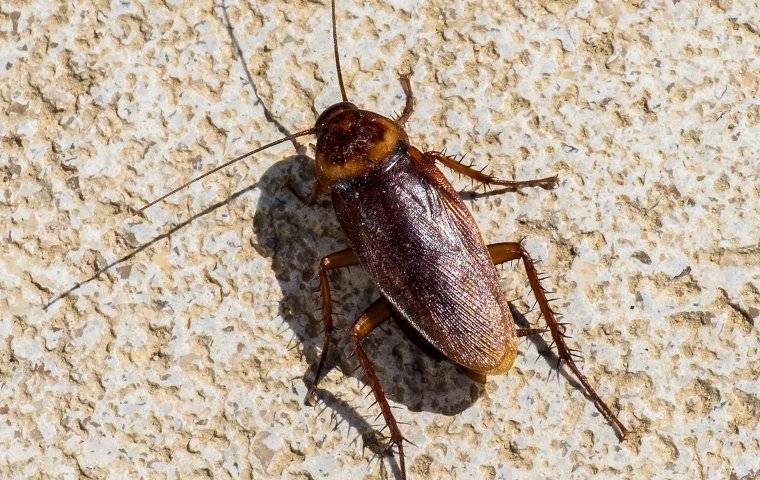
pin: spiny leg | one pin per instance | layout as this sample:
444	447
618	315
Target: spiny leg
525	332
477	175
375	315
406	85
344	258
504	252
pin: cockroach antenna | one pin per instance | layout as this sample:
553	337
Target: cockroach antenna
337	54
409	229
276	142
227	164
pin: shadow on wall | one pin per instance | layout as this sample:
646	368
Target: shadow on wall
295	236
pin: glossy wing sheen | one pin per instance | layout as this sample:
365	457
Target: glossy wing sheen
417	240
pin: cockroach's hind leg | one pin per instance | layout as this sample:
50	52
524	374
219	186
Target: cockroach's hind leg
452	163
524	332
406	85
502	252
375	315
344	258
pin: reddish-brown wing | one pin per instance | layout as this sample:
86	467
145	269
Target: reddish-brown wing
419	243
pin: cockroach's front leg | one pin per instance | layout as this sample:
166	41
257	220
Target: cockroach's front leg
374	316
504	252
455	165
406	85
344	258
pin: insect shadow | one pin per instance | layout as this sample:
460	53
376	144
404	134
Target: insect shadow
294	236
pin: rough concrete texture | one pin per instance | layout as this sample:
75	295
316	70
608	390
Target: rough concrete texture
192	358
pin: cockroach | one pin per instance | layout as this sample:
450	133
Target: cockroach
411	231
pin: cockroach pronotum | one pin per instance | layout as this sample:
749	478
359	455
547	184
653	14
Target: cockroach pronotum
410	230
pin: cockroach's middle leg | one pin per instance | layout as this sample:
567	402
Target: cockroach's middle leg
504	252
344	258
455	165
373	317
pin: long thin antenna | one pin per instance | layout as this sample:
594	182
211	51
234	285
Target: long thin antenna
337	55
236	45
147	244
227	164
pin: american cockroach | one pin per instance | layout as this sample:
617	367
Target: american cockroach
410	230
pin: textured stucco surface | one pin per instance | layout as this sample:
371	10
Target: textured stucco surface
190	360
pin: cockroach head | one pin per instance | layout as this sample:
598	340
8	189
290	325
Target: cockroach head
351	143
330	113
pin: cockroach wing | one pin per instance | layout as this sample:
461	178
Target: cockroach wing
419	243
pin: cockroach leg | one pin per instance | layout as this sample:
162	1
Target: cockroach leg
504	252
452	163
344	258
524	332
406	85
372	317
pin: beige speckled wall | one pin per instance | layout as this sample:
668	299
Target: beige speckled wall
191	359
